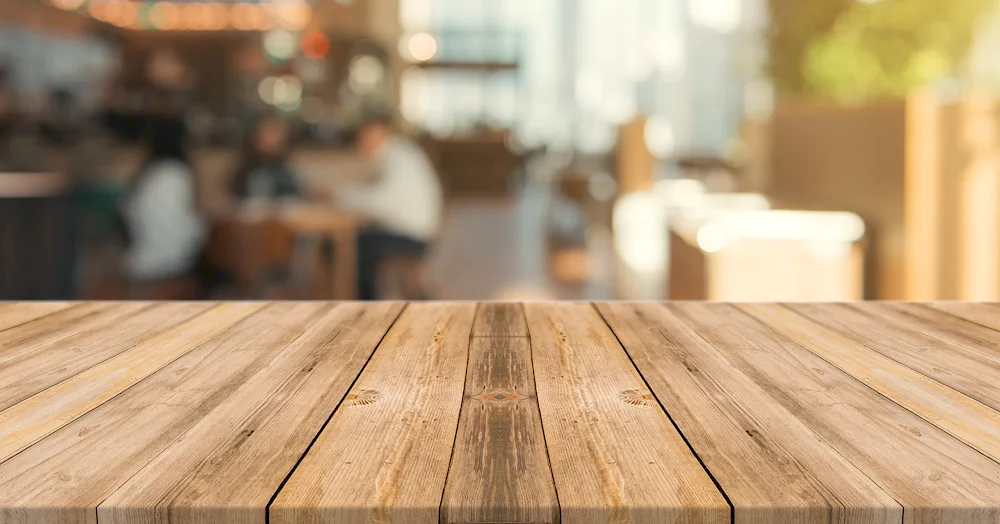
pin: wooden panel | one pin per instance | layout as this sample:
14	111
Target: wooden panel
828	156
382	457
635	164
499	468
227	467
772	467
615	455
936	478
982	313
37	416
22	339
978	222
63	478
499	319
688	270
968	420
959	354
31	369
15	314
924	202
30	340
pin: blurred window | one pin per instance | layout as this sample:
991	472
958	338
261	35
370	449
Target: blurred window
583	68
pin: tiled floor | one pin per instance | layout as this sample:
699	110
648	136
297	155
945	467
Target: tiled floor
498	250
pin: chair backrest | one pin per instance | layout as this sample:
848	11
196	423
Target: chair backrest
249	249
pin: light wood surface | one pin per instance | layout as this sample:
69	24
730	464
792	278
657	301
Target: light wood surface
618	457
956	353
500	319
772	466
226	468
934	476
310	412
983	313
499	467
37	416
27	368
384	455
970	421
63	478
15	314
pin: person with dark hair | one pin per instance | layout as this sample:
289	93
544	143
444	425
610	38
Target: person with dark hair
264	174
403	204
165	230
60	122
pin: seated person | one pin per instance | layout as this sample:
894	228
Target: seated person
403	203
264	175
164	227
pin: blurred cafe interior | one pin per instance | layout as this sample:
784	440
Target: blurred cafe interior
520	149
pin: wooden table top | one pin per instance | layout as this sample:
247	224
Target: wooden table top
487	413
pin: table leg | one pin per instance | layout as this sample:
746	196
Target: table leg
344	273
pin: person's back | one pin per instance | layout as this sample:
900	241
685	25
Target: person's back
165	228
406	196
403	204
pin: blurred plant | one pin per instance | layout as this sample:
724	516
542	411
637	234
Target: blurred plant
854	50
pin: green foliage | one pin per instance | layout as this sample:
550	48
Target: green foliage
853	50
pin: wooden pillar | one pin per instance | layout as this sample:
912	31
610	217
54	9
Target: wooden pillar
923	201
635	163
979	222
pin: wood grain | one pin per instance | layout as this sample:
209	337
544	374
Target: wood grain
14	314
954	352
173	413
615	455
773	468
500	319
968	420
499	467
982	313
50	329
31	419
63	478
227	467
30	369
383	456
936	478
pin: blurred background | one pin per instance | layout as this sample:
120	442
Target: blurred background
515	149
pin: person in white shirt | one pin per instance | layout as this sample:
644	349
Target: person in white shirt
403	203
165	230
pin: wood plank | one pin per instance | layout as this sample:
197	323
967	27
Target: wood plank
982	313
14	314
226	468
382	457
28	421
499	468
63	478
964	418
772	467
615	455
500	319
50	329
32	370
954	352
936	478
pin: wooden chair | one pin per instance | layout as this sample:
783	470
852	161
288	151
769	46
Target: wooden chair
259	255
404	277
